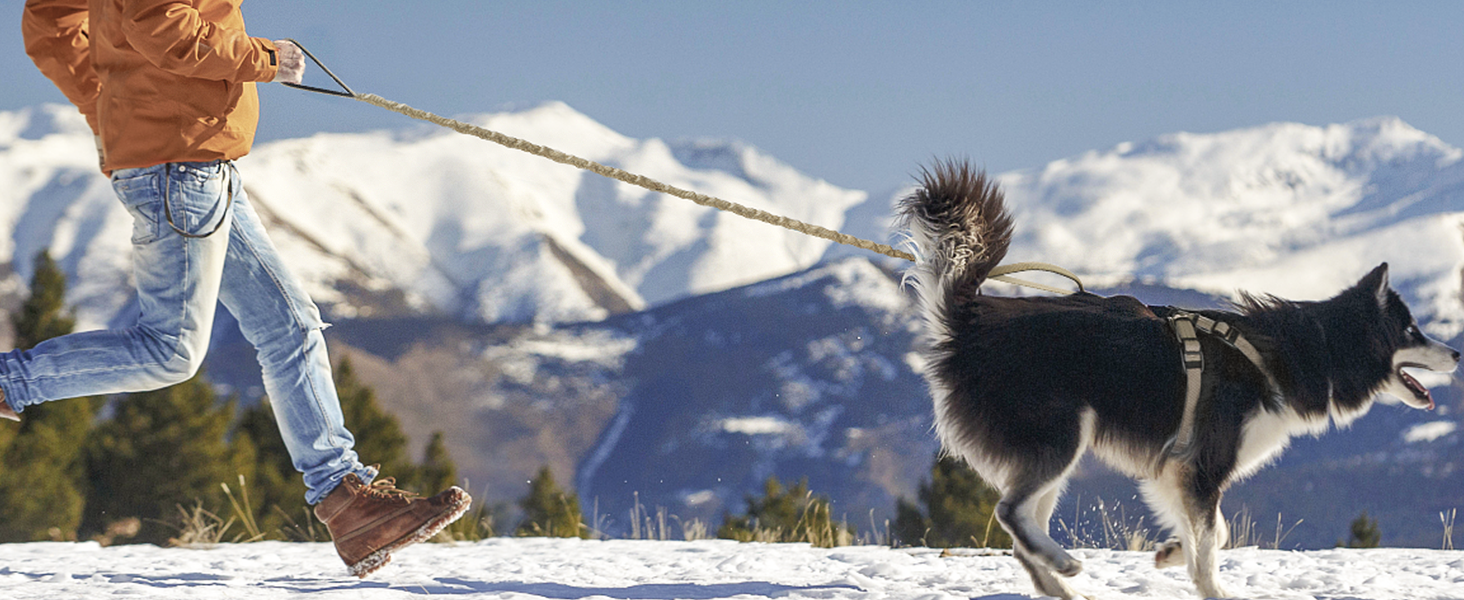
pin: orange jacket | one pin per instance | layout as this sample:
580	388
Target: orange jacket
159	80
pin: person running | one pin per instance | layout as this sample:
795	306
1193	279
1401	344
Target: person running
168	88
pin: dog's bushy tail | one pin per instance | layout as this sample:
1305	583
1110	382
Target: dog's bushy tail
960	229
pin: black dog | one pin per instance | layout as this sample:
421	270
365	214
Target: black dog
1024	386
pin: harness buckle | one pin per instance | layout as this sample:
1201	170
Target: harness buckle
1184	325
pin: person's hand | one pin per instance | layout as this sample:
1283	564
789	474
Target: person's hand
292	63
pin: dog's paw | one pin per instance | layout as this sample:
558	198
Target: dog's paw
1169	554
1068	566
1214	591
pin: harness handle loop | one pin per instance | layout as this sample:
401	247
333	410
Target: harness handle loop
998	273
348	93
1001	274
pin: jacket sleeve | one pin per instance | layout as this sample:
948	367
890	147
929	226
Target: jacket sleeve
174	37
56	38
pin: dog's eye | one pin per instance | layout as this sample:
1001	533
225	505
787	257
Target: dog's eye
1413	331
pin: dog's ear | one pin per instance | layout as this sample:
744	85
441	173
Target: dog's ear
1376	284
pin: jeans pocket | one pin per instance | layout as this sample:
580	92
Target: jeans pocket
142	197
196	197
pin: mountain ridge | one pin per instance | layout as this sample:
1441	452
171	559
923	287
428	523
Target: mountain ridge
454	225
549	316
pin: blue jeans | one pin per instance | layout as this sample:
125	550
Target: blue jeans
225	258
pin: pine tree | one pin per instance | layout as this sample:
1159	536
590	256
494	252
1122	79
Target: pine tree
1364	532
910	525
41	316
775	513
42	491
550	511
161	450
8	431
276	492
787	515
959	510
379	437
437	471
43	476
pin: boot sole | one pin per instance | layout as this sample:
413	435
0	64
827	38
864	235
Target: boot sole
380	558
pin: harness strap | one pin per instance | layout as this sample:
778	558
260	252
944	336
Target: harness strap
1187	326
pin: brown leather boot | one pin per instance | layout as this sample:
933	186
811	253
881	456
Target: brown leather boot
369	522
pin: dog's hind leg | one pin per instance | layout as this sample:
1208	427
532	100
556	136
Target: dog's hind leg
1024	511
1046	582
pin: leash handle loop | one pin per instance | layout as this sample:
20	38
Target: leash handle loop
348	93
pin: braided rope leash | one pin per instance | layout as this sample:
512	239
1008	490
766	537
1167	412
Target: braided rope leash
508	141
632	178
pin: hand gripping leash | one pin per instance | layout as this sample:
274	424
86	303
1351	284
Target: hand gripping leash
347	93
656	186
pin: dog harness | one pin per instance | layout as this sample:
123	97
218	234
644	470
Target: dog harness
1187	327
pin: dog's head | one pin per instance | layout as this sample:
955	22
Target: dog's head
1403	344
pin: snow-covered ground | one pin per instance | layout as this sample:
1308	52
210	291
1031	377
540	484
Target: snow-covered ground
527	568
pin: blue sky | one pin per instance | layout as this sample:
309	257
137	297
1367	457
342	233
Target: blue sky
862	93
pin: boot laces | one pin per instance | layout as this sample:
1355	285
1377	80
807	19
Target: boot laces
385	488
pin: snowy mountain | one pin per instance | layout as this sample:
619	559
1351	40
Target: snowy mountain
541	315
1289	209
422	220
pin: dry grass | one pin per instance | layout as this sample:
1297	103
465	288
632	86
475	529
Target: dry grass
661	525
1447	519
199	528
1107	527
243	511
1245	532
1101	527
815	527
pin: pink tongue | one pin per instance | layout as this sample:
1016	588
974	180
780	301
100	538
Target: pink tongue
1418	389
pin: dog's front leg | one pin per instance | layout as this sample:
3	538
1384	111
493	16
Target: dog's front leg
1170	552
1166	498
1207	533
